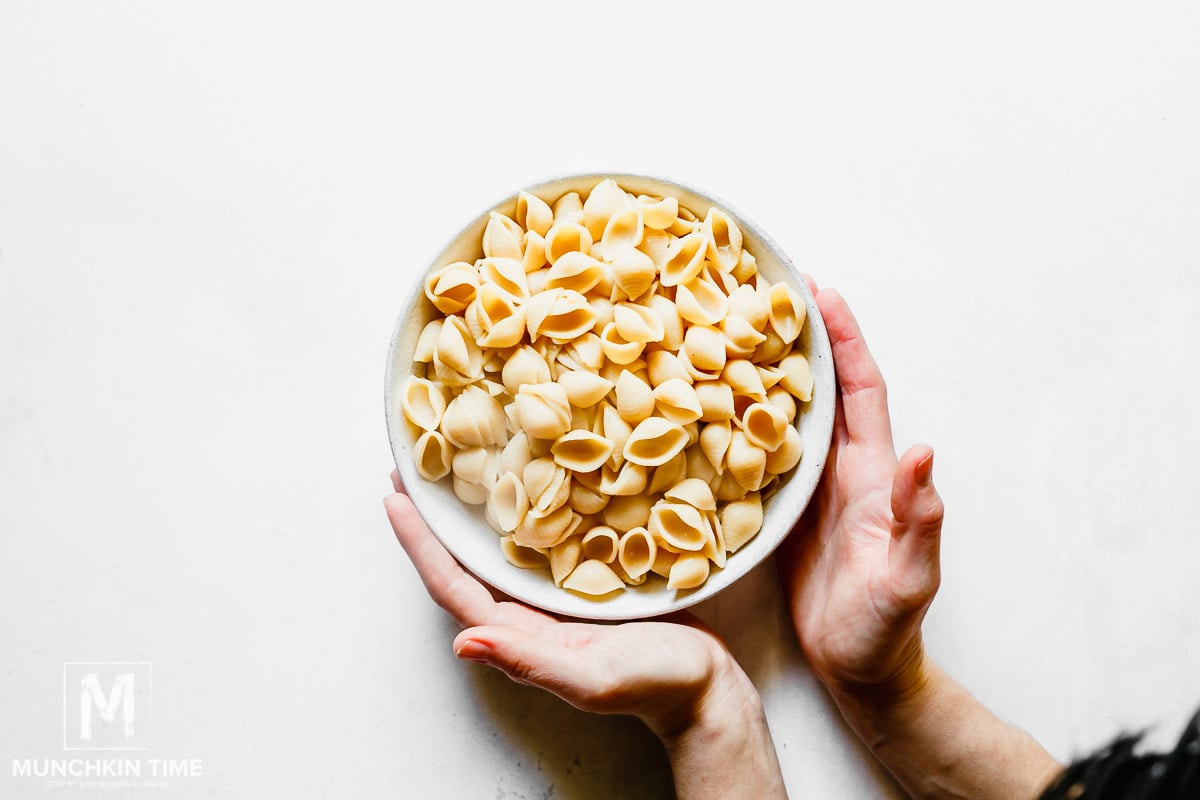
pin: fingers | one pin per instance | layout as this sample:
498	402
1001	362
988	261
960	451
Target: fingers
917	514
810	283
397	482
534	660
864	395
446	581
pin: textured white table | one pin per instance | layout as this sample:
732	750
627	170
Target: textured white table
208	219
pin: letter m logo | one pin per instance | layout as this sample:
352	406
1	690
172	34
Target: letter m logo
105	705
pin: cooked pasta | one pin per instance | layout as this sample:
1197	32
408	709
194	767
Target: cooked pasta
614	383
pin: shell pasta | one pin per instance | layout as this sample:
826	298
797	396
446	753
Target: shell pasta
615	385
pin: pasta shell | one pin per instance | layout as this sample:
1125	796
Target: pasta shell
771	350
534	213
609	424
633	271
729	489
456	349
603	309
560	314
797	377
470	493
747	268
586	499
577	272
433	456
544	410
628	511
654	441
723	238
655	245
662	366
744	379
689	571
474	419
694	492
658	213
423	403
716	401
685	260
665	310
624	229
515	454
698	466
741	520
605	200
452	288
477	465
601	543
584	389
593	578
741	334
508	502
537	279
581	451
746	461
502	237
637	323
547	485
677	402
765	426
783	400
564	557
705	347
668	474
568	209
636	552
617	348
427	341
714	548
747	304
523	557
678	525
567	237
629	480
507	275
714	443
533	249
788	454
701	302
524	367
500	322
770	376
548	530
635	399
663	559
587	351
786	310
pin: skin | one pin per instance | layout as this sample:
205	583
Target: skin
675	676
860	571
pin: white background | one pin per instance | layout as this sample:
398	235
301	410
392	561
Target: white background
210	214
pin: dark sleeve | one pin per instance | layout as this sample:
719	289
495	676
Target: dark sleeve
1117	772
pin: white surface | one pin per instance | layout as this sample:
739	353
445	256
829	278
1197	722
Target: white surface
464	530
208	218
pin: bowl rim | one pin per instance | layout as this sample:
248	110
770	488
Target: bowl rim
550	597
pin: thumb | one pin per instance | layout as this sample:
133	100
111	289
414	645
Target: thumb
917	513
530	659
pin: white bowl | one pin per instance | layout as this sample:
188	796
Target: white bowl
462	529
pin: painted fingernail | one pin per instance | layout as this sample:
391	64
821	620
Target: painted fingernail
473	650
925	471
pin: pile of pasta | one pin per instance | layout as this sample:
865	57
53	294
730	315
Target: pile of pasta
615	383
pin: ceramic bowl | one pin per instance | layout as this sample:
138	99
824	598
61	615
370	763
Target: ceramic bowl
462	529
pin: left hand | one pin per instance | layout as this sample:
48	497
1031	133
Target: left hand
657	671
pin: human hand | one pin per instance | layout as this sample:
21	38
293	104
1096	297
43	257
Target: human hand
677	677
861	567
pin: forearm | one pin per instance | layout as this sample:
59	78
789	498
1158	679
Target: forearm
725	749
940	742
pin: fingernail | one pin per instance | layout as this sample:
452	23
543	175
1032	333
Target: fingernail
925	471
473	650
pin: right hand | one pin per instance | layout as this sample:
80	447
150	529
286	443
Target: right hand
861	567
